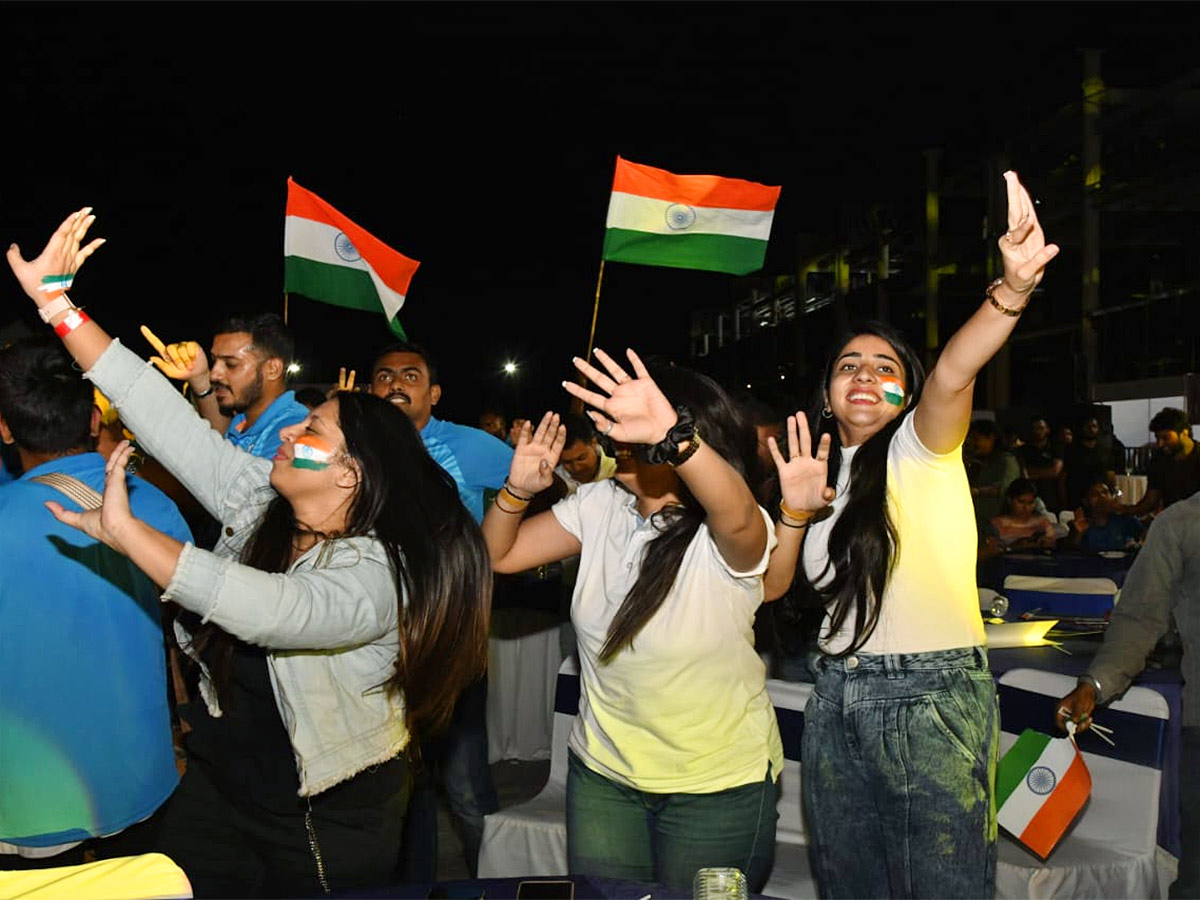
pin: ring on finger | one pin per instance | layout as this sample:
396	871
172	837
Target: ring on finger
611	425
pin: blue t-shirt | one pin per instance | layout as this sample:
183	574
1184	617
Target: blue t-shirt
85	731
476	460
262	438
5	475
1115	534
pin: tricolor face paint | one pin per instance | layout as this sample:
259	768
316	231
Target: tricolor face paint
893	389
310	452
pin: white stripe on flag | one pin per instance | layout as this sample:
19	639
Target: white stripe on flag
317	241
1023	804
638	213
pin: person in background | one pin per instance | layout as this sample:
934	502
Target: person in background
1088	459
494	423
243	394
990	469
1042	462
1173	473
1020	527
583	460
1163	583
901	732
1095	528
83	688
675	754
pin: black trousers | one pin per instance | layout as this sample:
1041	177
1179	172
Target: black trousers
344	839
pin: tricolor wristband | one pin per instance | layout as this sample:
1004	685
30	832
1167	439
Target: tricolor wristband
74	319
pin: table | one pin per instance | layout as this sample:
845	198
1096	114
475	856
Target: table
1053	564
1167	682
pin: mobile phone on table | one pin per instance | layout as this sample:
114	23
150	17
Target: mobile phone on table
559	889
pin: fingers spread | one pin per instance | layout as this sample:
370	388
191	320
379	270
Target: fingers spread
615	370
594	375
639	367
589	397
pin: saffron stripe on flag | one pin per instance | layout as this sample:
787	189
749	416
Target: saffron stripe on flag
734	255
636	213
1052	818
696	190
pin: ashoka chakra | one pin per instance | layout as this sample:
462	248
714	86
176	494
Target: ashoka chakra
680	216
345	249
1041	780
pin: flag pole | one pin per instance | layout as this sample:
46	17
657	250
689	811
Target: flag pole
285	307
595	312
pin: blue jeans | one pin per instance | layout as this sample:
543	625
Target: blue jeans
899	764
614	831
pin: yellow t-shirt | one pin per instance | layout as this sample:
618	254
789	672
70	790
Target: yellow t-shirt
686	709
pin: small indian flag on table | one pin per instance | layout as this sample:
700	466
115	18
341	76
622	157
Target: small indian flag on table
330	259
1041	785
657	218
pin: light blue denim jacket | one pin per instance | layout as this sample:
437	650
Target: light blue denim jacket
330	623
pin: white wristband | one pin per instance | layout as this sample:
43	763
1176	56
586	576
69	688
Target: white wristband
54	307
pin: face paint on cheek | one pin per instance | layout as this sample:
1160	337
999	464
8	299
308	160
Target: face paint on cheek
893	390
312	453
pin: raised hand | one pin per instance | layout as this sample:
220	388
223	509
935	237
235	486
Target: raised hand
1081	520
514	431
108	523
536	454
1023	246
803	474
183	361
59	260
345	382
634	411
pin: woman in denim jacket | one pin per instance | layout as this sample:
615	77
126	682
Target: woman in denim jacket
901	733
344	608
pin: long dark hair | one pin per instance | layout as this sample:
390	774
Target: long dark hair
863	544
724	428
443	579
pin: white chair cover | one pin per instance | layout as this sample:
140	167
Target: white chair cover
523	658
1111	849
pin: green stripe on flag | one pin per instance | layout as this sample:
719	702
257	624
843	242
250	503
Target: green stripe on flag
336	285
1016	763
715	252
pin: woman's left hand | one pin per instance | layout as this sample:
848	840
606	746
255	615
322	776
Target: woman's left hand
62	255
803	474
111	521
634	411
1023	247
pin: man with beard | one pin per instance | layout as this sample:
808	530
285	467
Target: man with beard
243	392
406	375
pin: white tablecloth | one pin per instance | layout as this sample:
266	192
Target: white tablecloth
523	661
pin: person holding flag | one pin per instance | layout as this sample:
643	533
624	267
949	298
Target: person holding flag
902	730
339	621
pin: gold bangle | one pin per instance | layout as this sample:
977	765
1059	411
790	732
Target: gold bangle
514	494
692	447
996	304
793	514
512	512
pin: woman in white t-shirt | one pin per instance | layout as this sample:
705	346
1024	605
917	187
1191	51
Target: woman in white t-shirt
675	753
900	735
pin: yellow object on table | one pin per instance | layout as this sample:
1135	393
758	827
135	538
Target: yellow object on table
146	877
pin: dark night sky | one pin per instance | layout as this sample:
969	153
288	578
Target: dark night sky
480	139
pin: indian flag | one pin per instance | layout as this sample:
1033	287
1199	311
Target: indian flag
657	218
330	259
1041	785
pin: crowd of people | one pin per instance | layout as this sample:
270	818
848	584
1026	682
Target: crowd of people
326	566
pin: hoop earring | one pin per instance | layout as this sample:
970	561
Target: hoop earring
827	413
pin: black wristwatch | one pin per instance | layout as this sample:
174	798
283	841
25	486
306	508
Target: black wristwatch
683	431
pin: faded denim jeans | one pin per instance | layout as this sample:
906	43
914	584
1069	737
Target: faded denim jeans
620	832
899	765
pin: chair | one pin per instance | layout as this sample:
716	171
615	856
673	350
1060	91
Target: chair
531	838
1057	596
1111	850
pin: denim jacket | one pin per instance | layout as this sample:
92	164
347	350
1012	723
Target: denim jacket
330	623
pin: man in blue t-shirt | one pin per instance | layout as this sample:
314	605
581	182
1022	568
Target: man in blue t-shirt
406	375
85	731
242	391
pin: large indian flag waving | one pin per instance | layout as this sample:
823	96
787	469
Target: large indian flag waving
657	218
1041	784
330	259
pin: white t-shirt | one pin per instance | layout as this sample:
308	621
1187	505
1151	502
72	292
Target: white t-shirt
931	601
685	710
